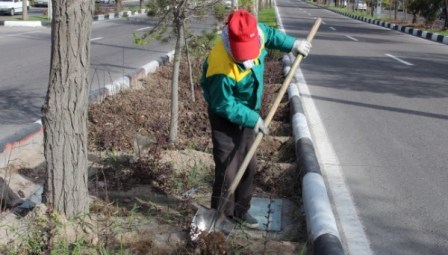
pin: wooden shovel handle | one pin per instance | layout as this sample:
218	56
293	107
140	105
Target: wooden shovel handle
270	115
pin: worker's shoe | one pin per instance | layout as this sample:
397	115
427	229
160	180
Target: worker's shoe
247	220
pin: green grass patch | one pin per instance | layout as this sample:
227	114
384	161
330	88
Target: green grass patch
267	16
439	32
30	18
350	11
134	8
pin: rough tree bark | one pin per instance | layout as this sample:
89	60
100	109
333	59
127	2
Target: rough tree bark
178	22
65	108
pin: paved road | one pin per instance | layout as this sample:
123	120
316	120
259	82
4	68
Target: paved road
382	100
26	59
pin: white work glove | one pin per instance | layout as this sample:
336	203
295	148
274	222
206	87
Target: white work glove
302	47
261	127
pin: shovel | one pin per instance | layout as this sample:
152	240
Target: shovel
211	220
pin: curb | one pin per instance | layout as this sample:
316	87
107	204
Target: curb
323	234
33	133
29	135
129	80
11	23
408	30
109	16
119	15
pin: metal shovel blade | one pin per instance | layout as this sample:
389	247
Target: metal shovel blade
209	220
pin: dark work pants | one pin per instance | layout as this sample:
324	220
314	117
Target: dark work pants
230	145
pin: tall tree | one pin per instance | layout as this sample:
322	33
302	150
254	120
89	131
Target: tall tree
415	7
430	10
65	108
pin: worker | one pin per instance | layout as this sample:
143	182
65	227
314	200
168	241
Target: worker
232	83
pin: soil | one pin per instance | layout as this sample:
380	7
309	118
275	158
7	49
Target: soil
145	190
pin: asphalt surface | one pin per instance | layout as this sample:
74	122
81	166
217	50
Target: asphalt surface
381	97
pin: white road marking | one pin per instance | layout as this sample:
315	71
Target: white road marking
94	39
323	22
399	60
332	28
143	28
352	38
352	229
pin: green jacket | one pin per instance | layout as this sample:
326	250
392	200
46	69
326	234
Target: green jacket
233	92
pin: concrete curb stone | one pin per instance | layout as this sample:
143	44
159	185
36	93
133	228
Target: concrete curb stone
408	30
323	233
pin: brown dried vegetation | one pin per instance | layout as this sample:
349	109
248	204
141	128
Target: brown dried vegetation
114	123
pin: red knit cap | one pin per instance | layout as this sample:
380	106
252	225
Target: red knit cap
243	35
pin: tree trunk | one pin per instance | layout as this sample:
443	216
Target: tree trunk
445	24
175	81
142	5
395	9
65	109
24	10
190	72
119	5
405	10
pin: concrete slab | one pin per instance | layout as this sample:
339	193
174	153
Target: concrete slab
268	212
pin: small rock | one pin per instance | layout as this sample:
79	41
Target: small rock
21	194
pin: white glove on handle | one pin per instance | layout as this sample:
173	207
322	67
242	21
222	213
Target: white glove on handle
261	127
302	47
